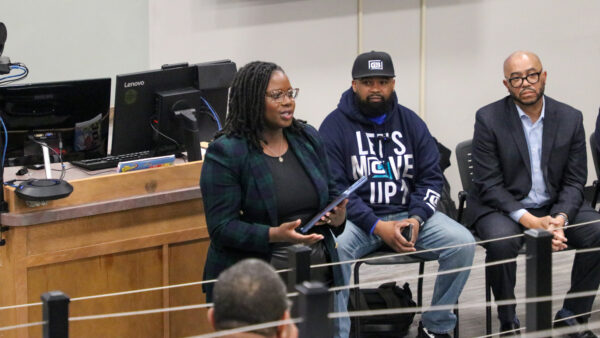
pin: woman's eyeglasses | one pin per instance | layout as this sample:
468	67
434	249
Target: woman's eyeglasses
278	95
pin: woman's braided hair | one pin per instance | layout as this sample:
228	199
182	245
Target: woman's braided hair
247	103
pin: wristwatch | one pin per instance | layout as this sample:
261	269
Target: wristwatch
563	215
419	219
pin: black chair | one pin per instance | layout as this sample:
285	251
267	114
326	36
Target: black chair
594	151
465	168
393	261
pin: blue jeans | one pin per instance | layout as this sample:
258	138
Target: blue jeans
439	231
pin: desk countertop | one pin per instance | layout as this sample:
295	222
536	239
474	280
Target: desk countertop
71	172
105	202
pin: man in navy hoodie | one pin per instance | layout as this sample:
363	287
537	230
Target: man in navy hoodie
370	134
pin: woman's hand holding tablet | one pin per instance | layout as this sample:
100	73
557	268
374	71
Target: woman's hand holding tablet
333	204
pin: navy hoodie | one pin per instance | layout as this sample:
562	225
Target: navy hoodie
399	156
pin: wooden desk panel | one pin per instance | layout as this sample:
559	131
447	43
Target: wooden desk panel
109	273
108	251
144	225
186	264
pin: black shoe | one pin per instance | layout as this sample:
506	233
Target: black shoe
512	328
424	333
571	322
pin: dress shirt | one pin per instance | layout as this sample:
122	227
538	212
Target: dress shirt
538	195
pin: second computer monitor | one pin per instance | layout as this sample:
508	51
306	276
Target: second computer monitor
145	102
71	117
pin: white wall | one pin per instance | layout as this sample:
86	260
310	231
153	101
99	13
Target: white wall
67	40
468	41
393	26
315	41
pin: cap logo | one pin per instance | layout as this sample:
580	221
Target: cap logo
375	65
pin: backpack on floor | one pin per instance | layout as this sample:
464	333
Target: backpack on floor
386	296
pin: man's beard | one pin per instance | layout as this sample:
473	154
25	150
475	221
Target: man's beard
374	109
529	103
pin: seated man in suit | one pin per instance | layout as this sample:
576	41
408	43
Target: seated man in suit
247	293
529	172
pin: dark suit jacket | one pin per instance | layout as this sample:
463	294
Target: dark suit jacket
239	198
502	169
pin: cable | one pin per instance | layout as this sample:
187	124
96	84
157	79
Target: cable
391	255
5	143
142	312
60	149
315	266
562	332
522	329
163	135
332	315
341	314
20	306
294	294
364	313
62	164
143	290
11	183
461	306
581	224
586	250
20	326
16	77
121	293
445	272
207	113
213	112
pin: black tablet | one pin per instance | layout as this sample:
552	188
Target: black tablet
333	203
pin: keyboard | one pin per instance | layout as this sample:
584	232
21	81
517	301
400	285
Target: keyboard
110	161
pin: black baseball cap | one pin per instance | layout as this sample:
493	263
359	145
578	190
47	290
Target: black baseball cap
373	64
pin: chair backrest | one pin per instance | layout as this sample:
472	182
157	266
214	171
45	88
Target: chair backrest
464	158
594	151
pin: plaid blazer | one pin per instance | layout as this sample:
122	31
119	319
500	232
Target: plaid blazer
240	204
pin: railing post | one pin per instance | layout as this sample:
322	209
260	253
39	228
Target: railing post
55	314
539	279
313	308
299	263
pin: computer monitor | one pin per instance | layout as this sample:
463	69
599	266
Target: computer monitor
70	116
154	110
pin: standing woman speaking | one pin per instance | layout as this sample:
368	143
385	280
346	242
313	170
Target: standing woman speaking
264	175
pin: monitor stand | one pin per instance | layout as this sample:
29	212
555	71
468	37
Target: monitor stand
47	167
189	124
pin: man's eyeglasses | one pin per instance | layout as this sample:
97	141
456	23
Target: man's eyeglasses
517	81
277	95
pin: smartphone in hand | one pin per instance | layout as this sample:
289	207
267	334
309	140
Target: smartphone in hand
407	232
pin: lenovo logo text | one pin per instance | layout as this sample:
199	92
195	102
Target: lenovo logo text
133	84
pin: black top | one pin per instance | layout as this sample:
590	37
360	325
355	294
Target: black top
296	197
295	193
